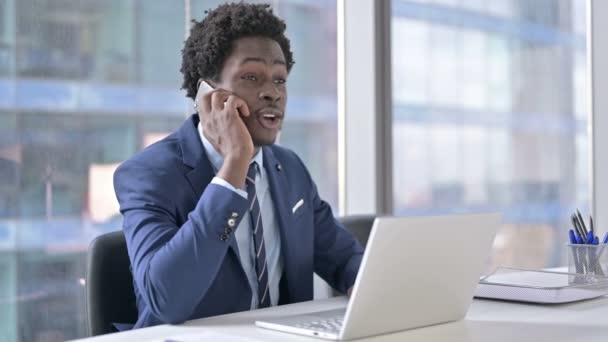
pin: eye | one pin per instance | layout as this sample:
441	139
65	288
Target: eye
250	78
280	81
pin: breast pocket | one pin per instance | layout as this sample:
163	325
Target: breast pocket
299	209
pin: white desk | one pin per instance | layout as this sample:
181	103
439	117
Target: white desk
486	321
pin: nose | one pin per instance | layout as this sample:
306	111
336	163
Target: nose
270	94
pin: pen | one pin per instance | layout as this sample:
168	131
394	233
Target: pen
579	239
577	262
597	258
580	217
572	237
605	238
590	239
577	228
591	224
581	226
575	239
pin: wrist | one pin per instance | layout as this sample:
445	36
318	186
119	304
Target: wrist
239	155
234	171
238	158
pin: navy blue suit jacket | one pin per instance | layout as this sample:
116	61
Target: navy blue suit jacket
183	265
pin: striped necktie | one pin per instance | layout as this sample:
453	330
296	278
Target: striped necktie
261	268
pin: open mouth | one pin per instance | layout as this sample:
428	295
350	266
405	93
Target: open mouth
270	119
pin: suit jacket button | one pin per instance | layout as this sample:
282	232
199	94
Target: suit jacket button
224	237
228	230
234	215
231	223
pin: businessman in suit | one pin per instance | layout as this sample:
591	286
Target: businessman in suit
218	218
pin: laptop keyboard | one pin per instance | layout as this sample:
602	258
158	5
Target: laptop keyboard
329	325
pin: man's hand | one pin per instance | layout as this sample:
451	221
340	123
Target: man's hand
220	113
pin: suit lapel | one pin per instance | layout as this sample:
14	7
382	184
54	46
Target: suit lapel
194	156
280	196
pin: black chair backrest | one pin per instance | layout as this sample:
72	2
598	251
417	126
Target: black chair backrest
359	225
109	284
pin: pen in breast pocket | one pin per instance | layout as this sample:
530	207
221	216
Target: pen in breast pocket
298	205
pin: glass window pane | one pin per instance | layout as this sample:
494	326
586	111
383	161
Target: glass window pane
158	48
311	127
6	36
84	85
489	114
93	83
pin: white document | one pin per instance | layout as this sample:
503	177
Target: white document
210	336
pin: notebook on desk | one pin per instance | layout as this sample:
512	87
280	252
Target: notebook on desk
416	271
540	286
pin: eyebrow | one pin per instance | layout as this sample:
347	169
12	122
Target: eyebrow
261	60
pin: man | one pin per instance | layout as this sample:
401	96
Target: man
217	218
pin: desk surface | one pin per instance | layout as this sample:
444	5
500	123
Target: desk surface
486	321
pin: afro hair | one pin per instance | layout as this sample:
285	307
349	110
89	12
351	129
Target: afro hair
211	40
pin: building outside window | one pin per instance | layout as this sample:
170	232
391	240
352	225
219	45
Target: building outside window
84	85
489	115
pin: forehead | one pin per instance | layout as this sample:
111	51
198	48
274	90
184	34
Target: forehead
260	48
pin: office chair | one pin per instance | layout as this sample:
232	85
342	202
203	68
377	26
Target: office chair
110	297
359	225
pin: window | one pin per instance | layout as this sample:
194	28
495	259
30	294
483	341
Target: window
489	114
84	85
6	36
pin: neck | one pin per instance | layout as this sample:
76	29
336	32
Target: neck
255	151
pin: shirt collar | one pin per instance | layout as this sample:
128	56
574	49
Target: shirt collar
216	158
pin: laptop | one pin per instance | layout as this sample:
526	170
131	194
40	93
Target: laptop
416	271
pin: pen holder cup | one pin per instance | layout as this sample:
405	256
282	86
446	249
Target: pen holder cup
589	262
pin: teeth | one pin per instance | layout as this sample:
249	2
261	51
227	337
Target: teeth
270	116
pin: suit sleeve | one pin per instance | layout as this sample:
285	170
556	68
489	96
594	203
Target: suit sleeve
173	266
337	253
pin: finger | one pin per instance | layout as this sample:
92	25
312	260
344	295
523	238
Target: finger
218	98
238	104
